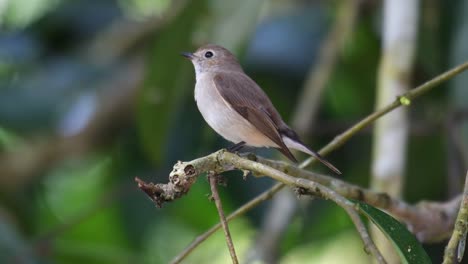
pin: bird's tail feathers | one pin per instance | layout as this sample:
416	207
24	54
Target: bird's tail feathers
301	147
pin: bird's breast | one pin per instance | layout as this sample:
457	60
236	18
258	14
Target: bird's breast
223	118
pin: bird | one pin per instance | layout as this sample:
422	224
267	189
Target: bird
237	108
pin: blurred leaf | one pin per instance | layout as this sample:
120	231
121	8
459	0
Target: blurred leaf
198	203
214	250
407	246
169	237
325	250
74	199
140	9
8	140
351	89
195	204
167	80
165	238
20	13
333	220
70	251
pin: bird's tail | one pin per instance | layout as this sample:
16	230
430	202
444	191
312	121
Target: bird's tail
290	143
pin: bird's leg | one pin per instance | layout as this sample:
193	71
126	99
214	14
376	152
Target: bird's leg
236	147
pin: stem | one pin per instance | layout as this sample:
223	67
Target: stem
266	195
456	245
213	179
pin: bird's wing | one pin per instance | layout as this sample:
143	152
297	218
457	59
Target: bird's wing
249	100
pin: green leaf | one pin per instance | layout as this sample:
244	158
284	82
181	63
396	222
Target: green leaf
73	197
8	140
407	246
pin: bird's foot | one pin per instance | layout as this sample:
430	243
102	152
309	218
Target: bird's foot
236	147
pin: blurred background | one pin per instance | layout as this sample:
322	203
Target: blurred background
94	93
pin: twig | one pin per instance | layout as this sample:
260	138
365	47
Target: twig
266	195
213	179
406	97
336	143
312	187
456	245
360	226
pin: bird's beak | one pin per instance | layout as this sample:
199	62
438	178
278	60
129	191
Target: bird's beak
188	55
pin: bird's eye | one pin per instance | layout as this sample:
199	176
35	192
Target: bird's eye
208	54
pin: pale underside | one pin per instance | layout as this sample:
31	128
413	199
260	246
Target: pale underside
227	122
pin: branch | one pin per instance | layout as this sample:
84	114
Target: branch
360	226
456	245
152	190
336	143
404	99
266	195
184	175
213	179
429	221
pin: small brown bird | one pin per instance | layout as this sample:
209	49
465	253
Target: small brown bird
237	108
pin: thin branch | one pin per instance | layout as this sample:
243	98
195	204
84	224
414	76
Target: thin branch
360	226
336	143
406	98
264	196
456	245
312	187
213	179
